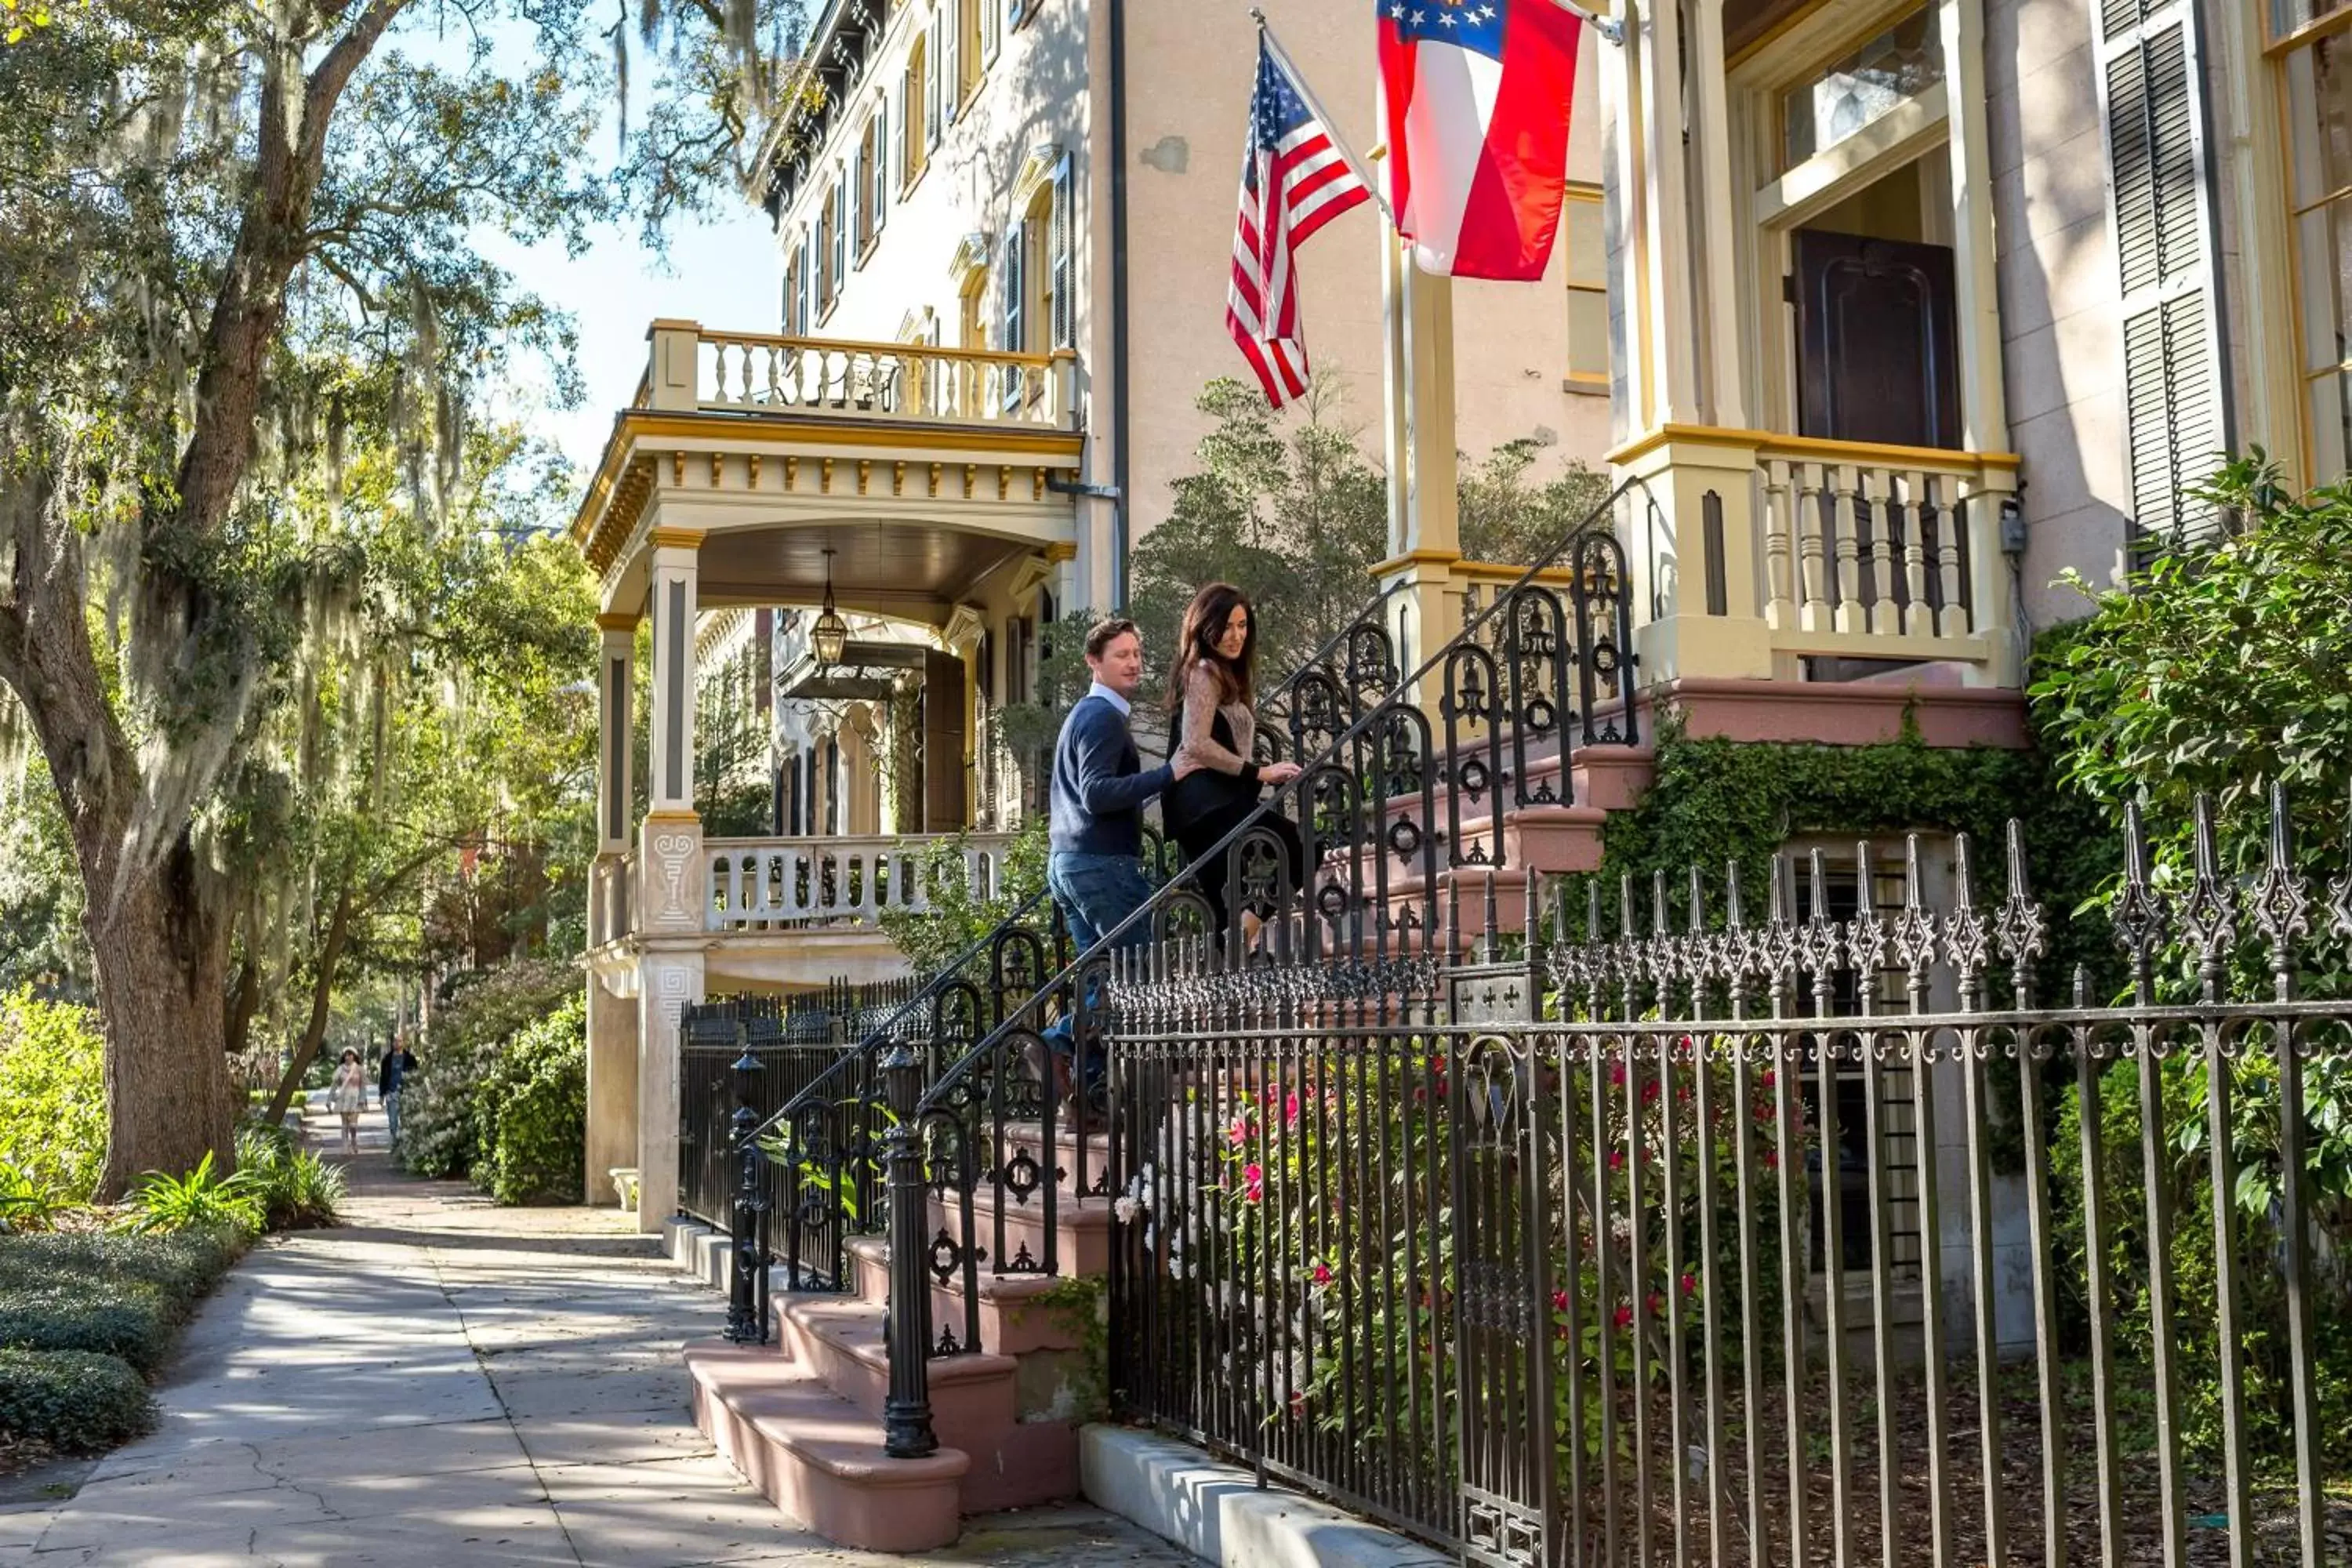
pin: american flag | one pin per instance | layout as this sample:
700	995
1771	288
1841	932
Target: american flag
1294	179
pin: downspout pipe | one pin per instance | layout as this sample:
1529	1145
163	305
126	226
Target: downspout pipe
1122	420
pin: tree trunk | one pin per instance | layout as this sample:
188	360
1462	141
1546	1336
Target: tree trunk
322	990
162	957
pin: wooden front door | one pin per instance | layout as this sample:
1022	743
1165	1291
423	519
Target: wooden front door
1876	341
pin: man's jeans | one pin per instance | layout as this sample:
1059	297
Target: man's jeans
391	1113
1094	893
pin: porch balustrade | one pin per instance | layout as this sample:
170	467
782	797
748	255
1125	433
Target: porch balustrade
757	373
1875	549
765	884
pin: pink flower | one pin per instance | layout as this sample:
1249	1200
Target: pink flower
1238	1133
1322	1274
1690	1284
1616	1159
1559	1301
1768	1080
1252	1183
1649	1092
1290	1110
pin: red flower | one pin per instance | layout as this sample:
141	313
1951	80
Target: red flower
1616	1159
1616	1074
1649	1092
1655	1303
1322	1274
1768	1080
1690	1284
1559	1301
1624	1317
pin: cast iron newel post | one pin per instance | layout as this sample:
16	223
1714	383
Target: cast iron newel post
747	1294
907	1412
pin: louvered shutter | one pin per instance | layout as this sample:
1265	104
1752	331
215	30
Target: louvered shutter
885	122
931	64
1065	263
992	28
950	31
898	128
853	200
1012	286
840	235
2150	67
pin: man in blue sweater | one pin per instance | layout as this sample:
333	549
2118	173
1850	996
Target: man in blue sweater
1100	787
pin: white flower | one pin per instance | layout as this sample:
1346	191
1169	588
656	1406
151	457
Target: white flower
1127	1210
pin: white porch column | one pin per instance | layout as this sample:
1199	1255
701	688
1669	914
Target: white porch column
612	1055
1726	371
615	737
669	980
1976	279
1424	499
675	552
1670	338
671	898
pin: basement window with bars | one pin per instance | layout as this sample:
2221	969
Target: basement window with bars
2149	63
1899	1150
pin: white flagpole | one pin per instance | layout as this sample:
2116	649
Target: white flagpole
1298	79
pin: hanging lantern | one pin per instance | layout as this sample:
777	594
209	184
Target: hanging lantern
830	635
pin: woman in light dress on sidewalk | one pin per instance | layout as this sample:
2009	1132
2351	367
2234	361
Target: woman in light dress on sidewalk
349	1098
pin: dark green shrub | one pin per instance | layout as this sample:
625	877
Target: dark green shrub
125	1318
442	1128
537	1109
71	1400
182	1265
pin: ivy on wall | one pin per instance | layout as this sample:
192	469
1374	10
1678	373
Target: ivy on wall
1715	801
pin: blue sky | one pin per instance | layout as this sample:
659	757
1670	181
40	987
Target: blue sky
722	275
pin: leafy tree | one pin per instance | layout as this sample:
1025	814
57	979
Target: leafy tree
240	248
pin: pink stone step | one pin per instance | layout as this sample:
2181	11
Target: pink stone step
1017	1314
975	1401
1083	1228
819	1458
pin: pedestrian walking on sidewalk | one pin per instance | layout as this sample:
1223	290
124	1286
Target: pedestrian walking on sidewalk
399	1061
351	1097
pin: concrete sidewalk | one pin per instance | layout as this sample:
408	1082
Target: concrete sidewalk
441	1382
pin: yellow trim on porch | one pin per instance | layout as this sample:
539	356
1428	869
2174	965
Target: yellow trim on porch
1814	446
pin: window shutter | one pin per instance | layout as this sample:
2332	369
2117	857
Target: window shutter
883	124
950	72
1012	286
840	234
853	200
2150	66
1065	263
898	128
931	63
992	27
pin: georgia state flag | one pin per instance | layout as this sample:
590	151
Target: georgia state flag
1477	95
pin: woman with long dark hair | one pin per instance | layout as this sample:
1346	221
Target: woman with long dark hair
1210	699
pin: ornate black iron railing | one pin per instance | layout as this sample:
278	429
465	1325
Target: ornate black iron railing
786	1041
816	1160
1402	767
1589	1255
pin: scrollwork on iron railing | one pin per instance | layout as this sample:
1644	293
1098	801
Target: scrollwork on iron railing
1358	909
1716	1242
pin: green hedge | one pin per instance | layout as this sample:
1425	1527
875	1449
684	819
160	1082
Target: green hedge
82	1315
534	1112
441	1124
71	1400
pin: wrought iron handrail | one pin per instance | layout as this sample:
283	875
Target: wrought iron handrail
887	1029
1400	697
